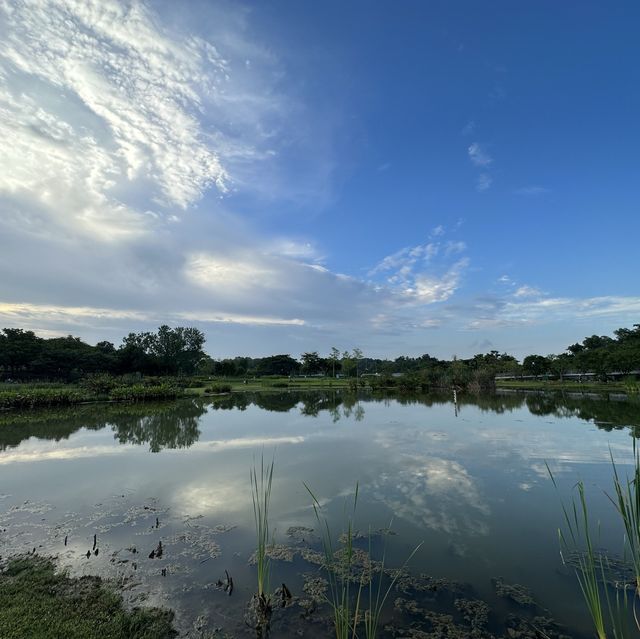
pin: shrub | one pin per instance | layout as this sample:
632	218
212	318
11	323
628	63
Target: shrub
141	393
218	388
40	397
99	383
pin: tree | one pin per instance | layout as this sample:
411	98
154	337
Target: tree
277	365
18	349
334	358
357	356
312	363
535	365
560	364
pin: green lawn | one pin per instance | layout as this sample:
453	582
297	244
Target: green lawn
551	385
273	383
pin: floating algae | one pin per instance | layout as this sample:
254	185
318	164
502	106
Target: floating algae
515	592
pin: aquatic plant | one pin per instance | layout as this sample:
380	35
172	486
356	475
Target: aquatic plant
627	503
590	566
261	481
339	567
342	567
377	602
41	397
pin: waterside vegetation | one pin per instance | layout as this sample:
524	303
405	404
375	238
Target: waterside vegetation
38	602
178	353
612	604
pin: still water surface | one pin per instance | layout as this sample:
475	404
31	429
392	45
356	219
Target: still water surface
467	480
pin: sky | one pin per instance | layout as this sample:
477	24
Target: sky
403	177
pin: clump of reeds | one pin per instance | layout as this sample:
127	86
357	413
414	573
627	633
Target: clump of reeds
261	478
610	617
345	585
339	568
377	601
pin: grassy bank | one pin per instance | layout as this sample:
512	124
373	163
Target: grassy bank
556	385
128	389
26	396
270	383
38	603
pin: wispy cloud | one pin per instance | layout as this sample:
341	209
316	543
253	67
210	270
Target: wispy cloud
484	182
480	158
468	128
425	274
527	291
532	190
478	155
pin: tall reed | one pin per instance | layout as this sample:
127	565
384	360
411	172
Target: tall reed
261	481
610	617
345	596
627	503
377	602
339	567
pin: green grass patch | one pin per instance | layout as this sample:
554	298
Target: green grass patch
218	388
556	385
28	397
271	383
38	603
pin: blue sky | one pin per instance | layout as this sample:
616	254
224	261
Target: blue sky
407	177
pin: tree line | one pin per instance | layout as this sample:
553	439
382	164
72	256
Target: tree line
169	351
180	351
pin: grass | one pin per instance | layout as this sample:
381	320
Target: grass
27	397
38	603
627	503
347	605
550	385
261	482
273	383
610	617
22	398
339	568
377	602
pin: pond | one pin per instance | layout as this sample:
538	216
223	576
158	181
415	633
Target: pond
468	481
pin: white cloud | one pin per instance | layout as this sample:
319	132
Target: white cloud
484	182
527	291
428	289
97	101
478	155
528	306
451	248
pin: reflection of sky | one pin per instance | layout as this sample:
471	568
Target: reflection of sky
424	465
455	480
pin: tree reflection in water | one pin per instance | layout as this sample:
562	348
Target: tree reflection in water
176	424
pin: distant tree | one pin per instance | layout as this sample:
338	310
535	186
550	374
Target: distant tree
226	367
312	363
334	359
560	364
596	341
18	349
535	365
356	354
277	365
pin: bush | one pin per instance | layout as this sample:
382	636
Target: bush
141	393
99	383
218	388
41	397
